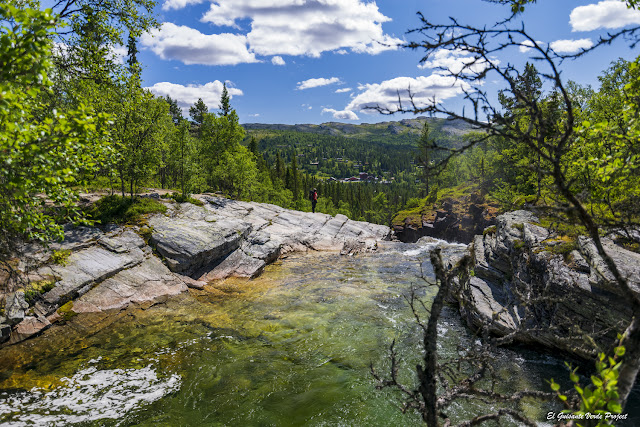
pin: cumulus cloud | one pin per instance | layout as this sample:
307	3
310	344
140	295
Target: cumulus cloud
454	61
188	95
571	46
178	4
296	27
277	60
344	90
424	91
311	83
192	47
605	14
341	115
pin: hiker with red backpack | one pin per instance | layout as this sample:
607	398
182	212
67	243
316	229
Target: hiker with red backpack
313	196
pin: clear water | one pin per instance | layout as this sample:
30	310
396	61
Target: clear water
290	348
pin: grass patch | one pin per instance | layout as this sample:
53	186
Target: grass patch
562	245
490	230
518	244
124	210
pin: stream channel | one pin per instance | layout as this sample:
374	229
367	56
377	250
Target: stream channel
289	348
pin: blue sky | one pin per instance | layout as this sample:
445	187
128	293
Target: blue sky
314	61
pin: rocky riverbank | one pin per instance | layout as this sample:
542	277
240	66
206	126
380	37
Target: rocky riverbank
539	287
455	218
112	267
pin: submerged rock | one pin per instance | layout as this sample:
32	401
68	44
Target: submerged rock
540	287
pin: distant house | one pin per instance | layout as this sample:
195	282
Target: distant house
314	163
363	176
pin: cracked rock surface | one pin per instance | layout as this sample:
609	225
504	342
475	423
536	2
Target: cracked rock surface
112	267
233	238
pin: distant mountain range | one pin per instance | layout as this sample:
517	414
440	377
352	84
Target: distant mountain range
401	127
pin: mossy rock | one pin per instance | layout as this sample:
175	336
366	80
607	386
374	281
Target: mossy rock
66	311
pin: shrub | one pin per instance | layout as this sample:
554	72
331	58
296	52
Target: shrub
37	288
601	396
185	198
60	257
413	202
433	195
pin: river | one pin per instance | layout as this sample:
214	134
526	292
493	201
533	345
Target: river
292	347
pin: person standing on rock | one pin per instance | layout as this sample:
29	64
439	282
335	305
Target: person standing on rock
313	196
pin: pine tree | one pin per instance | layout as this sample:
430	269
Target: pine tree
424	146
174	110
132	52
198	110
225	103
295	188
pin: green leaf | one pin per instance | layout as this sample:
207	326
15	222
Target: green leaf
596	381
614	407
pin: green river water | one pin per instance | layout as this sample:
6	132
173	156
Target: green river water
290	348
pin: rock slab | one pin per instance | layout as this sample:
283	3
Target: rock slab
521	286
233	238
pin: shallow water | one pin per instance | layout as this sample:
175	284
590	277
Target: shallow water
292	347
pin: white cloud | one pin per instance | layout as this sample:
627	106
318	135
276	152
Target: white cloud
311	83
118	54
526	45
188	95
305	27
571	46
179	4
192	47
277	60
424	90
342	115
344	90
604	14
455	61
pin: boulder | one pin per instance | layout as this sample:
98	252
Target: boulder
15	306
189	245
